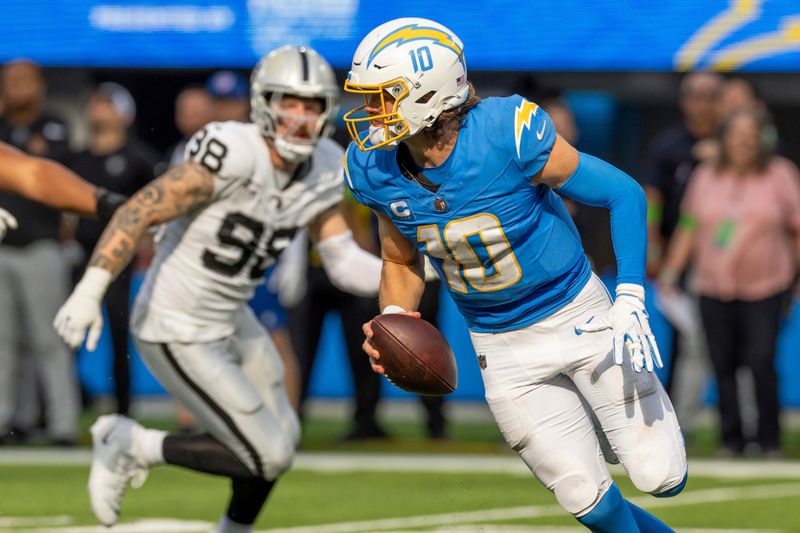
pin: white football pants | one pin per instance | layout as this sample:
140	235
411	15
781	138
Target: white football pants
541	382
234	388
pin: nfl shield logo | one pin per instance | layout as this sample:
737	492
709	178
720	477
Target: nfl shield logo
439	204
482	361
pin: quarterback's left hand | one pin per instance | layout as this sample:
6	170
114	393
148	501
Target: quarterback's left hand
7	220
629	322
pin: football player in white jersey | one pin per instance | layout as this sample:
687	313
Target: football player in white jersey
231	208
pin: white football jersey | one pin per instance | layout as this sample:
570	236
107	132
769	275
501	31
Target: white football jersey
209	261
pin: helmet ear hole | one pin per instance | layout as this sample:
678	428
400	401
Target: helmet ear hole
425	98
267	96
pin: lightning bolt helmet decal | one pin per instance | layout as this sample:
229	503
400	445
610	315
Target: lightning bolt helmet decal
415	32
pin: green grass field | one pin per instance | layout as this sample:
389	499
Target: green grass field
470	484
311	501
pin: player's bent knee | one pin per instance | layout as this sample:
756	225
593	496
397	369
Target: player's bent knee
573	485
576	493
277	457
649	471
674	490
657	474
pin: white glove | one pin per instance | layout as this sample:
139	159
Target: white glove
629	321
82	311
7	220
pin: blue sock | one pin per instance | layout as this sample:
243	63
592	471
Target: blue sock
612	514
648	523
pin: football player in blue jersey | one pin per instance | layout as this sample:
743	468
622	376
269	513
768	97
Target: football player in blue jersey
476	185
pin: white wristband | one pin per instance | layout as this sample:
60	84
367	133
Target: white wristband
94	283
392	309
631	289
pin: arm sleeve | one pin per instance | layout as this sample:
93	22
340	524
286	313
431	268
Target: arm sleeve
224	150
600	184
350	267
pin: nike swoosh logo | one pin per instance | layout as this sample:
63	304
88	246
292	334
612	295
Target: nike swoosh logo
579	331
540	135
378	67
105	438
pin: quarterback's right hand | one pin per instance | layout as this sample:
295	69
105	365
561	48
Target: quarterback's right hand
632	334
82	312
373	354
7	220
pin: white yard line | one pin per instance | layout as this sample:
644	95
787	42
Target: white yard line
458	522
426	463
537	511
154	525
35	521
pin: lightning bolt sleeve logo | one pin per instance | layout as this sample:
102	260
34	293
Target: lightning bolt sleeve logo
522	119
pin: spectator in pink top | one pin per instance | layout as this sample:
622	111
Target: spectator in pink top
740	224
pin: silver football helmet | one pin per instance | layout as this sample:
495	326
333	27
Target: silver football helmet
296	71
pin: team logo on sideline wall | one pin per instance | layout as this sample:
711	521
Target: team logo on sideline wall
401	210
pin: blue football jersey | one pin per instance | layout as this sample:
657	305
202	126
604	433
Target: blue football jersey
507	249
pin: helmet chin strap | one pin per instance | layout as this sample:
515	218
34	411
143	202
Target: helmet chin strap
377	134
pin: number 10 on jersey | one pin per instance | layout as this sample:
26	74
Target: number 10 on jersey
461	262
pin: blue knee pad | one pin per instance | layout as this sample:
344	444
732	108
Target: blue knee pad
674	491
610	515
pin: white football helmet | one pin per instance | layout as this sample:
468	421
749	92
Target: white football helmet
420	64
295	71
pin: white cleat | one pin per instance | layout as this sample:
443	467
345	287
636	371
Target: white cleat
113	466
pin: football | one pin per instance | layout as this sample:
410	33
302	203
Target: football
414	355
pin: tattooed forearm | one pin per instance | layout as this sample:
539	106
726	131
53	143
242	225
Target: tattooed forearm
177	192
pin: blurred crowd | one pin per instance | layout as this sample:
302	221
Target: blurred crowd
724	233
723	226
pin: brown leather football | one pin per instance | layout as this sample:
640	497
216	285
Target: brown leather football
414	355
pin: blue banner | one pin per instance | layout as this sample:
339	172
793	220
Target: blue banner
752	35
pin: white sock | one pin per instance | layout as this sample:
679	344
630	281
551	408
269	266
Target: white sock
226	525
148	445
